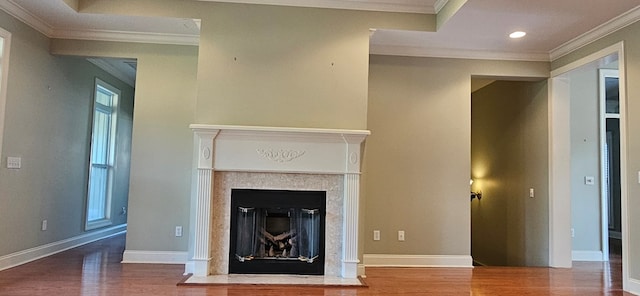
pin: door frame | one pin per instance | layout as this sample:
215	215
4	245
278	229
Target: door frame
604	198
560	160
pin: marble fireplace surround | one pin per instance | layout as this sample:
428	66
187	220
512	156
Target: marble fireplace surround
229	157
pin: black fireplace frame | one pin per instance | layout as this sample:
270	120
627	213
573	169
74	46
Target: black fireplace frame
260	198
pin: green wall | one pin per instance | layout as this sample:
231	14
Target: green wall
309	69
48	124
161	156
585	160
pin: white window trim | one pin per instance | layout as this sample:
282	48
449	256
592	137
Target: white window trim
3	81
89	225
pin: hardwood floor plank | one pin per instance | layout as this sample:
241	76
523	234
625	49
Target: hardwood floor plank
95	269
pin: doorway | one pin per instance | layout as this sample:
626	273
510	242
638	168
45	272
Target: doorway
564	179
509	226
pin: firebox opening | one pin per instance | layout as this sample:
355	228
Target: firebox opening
277	231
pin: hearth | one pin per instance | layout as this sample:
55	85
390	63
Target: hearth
277	232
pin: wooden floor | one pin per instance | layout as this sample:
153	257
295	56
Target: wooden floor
95	269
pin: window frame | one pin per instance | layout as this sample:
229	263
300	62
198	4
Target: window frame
111	153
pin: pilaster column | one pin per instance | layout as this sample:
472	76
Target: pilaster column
350	240
351	206
203	144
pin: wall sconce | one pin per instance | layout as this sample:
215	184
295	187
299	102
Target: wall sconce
475	194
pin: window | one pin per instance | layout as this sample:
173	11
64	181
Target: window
5	40
102	159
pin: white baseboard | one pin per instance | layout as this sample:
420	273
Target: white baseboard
28	255
154	257
392	260
586	255
633	286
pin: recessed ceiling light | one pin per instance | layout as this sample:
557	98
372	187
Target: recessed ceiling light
517	34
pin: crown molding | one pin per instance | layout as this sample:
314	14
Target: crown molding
596	33
414	51
439	5
383	6
41	26
26	17
121	36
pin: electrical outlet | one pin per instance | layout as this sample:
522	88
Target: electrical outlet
376	235
124	211
531	193
401	235
44	225
14	162
178	231
573	232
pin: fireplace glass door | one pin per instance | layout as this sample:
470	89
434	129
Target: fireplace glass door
275	231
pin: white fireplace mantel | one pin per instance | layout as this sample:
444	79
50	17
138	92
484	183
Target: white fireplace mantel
275	150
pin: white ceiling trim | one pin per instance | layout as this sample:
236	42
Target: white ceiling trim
121	36
113	71
596	33
384	6
100	35
414	51
26	17
439	5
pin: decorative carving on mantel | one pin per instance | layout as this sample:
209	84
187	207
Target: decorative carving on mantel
281	155
353	158
206	153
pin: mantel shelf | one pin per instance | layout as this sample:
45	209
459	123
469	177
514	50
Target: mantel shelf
291	130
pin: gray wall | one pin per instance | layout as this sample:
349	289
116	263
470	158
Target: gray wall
417	158
309	69
48	124
631	40
585	160
508	156
162	142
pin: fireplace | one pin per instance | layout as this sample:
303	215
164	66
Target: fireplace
231	160
277	232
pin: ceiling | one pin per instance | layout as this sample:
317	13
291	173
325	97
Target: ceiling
479	28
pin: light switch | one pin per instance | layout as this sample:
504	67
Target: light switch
14	162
